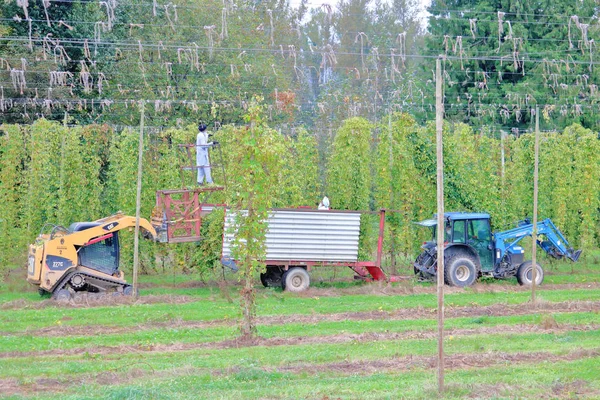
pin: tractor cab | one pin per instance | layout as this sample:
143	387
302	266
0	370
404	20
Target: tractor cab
469	230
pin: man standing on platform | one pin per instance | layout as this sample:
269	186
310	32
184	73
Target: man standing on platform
202	160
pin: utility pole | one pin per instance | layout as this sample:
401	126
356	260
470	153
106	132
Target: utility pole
439	121
535	204
138	204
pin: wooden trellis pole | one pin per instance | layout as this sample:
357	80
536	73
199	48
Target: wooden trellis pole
138	205
439	121
535	204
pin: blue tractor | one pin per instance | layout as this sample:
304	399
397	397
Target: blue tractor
471	250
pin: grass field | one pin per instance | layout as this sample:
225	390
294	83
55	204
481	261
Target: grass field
339	339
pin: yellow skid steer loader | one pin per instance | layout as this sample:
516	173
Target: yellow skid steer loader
82	258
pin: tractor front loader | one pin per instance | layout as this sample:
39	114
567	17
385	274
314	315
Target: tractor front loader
471	250
82	258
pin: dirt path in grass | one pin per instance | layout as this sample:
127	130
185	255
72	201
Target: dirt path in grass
400	314
451	361
497	310
92	300
450	334
137	372
409	287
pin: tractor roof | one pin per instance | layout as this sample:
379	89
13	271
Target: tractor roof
454	216
465	215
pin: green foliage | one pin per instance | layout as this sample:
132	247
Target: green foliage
207	256
254	167
43	176
80	189
299	183
122	172
569	185
349	177
12	189
506	57
472	173
400	185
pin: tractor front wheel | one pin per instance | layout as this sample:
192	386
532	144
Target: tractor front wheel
525	272
460	270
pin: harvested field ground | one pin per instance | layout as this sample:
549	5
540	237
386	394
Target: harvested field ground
358	341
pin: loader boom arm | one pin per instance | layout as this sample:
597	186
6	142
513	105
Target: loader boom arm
109	225
556	245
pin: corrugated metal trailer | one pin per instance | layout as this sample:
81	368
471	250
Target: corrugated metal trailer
299	239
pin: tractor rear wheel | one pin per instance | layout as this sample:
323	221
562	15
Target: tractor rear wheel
295	280
525	272
461	270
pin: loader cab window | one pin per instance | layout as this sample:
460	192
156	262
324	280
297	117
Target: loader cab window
102	256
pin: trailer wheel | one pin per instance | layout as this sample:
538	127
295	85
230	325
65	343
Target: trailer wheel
525	272
460	270
295	280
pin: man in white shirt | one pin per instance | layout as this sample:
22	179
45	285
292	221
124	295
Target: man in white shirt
202	160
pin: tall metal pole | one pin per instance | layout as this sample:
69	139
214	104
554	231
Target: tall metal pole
138	204
439	121
535	204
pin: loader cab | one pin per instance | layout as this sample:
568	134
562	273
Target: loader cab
100	254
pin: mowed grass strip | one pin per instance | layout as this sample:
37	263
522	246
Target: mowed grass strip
271	357
566	379
565	279
11	346
269	303
486	375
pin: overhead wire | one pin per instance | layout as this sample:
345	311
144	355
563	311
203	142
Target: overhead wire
135	46
319	4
